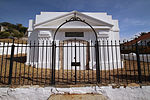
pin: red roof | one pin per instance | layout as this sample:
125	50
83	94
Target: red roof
143	37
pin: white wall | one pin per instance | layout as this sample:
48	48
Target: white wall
43	93
109	56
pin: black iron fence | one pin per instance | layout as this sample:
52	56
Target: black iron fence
74	62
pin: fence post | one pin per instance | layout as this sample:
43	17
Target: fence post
11	63
53	63
138	63
97	62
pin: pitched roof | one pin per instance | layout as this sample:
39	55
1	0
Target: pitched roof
77	13
143	37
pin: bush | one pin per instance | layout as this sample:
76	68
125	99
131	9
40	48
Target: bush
4	34
16	33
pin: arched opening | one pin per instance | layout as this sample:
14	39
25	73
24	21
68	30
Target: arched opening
74	19
73	54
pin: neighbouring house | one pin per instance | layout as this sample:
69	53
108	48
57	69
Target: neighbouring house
140	46
75	40
141	40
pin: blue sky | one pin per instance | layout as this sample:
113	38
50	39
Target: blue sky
133	15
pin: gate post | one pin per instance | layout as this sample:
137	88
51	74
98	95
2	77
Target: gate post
138	63
11	63
97	62
53	63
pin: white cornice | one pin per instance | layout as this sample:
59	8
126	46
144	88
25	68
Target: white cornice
73	27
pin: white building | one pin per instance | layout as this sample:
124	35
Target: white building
2	28
45	25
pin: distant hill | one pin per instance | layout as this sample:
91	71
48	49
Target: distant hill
12	30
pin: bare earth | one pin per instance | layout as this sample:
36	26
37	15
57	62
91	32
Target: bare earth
77	97
23	74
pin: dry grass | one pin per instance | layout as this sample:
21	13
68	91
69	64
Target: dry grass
23	74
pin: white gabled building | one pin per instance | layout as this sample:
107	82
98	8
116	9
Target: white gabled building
43	29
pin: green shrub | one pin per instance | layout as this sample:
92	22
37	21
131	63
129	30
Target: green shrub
16	33
4	34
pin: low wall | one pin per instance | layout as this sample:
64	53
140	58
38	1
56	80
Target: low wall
43	93
6	50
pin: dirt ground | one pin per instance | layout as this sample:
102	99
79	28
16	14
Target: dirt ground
23	74
77	97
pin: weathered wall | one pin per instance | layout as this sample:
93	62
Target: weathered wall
40	93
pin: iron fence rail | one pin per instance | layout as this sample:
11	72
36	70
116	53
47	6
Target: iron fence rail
74	62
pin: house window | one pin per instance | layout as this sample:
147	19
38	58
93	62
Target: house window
74	34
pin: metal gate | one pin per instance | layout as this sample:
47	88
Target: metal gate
81	70
74	62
